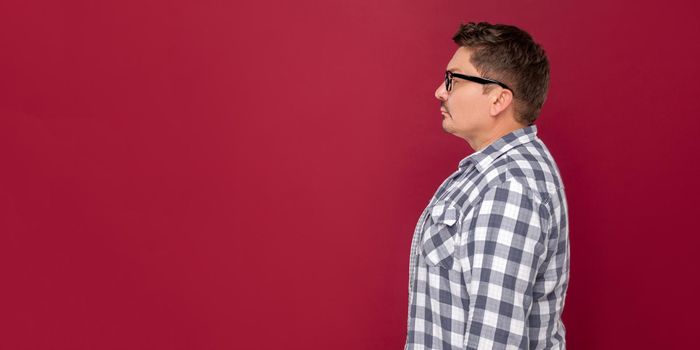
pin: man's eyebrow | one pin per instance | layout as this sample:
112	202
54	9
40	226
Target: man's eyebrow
455	69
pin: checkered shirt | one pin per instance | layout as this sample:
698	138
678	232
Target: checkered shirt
489	265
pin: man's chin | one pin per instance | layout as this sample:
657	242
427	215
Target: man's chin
445	128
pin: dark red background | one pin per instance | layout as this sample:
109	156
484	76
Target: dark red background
210	175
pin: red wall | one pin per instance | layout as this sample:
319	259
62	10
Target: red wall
210	175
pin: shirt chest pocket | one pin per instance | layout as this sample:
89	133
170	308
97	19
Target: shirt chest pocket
442	235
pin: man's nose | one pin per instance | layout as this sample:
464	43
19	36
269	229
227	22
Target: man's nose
441	92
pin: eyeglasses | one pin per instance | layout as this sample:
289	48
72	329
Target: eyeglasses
449	76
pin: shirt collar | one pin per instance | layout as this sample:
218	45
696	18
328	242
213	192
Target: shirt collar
483	158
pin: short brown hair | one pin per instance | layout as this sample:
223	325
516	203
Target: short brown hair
510	55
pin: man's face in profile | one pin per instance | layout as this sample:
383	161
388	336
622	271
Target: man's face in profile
465	109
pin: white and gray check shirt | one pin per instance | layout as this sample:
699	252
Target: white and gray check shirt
489	265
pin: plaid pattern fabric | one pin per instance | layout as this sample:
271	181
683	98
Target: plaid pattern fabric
489	265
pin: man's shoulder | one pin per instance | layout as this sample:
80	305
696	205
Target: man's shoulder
530	165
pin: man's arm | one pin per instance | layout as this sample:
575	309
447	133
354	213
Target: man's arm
505	248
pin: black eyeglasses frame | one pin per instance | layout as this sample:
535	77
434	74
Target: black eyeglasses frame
449	75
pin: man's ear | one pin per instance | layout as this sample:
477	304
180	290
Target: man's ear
500	101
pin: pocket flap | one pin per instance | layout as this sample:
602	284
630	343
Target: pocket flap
445	213
439	238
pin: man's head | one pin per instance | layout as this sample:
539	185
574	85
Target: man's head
504	53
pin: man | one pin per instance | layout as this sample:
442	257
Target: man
490	254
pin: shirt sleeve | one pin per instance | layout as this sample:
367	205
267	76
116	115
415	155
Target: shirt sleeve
505	248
